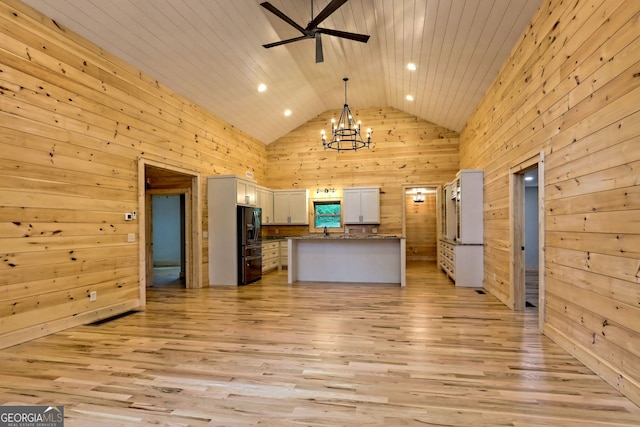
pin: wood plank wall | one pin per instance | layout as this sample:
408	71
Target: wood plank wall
73	122
404	150
571	88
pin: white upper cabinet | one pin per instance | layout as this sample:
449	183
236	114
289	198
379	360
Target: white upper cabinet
265	202
463	208
469	208
246	192
290	207
361	205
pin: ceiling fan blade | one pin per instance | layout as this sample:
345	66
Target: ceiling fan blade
363	38
281	42
324	13
282	16
319	55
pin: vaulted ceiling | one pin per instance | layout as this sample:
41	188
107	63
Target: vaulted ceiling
210	51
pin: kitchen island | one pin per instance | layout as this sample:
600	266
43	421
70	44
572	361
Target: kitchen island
372	258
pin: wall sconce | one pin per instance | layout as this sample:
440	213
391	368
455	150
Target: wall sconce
326	191
418	198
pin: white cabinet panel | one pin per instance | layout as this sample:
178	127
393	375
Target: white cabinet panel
361	205
299	208
281	207
370	205
265	202
270	255
463	207
351	206
463	263
461	252
225	193
246	192
290	207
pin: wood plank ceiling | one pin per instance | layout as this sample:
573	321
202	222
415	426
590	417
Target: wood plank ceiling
210	51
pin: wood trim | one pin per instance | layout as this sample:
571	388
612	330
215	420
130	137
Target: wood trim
142	230
541	247
516	229
516	236
193	216
23	335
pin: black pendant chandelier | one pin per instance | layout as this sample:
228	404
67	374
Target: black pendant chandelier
345	134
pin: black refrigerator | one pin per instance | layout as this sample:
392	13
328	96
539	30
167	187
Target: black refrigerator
249	245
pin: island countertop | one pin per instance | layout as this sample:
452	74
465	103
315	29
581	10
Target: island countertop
346	237
356	258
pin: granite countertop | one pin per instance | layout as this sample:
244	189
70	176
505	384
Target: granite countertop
459	243
347	237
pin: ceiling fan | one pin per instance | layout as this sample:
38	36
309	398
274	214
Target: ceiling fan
312	31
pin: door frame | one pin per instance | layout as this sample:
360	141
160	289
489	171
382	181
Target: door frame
193	225
516	231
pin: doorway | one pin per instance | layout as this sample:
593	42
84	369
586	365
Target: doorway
156	178
168	240
531	244
526	188
420	224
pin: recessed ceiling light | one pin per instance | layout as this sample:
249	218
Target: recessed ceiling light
411	66
262	87
287	113
409	97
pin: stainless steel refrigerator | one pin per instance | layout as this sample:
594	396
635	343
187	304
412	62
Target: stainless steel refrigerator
249	245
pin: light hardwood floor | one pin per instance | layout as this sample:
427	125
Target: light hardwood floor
273	354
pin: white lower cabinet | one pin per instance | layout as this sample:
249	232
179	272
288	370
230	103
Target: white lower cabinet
463	263
270	256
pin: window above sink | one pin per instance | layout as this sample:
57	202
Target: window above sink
327	213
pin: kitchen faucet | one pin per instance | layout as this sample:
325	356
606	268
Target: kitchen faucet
326	233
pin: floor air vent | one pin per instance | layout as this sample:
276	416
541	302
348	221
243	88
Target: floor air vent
109	319
480	291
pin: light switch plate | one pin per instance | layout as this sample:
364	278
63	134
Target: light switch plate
131	237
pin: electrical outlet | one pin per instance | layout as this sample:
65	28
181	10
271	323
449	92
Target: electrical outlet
128	216
93	295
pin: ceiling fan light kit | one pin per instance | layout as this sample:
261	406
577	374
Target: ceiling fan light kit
345	133
312	31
